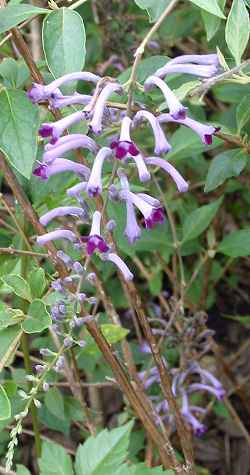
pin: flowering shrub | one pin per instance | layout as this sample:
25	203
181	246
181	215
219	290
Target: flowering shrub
116	262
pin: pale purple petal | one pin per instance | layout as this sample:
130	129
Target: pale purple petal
76	98
61	211
219	393
177	110
60	165
96	122
181	184
75	190
143	172
67	143
204	131
161	143
54	235
132	230
96	224
193	69
196	59
120	264
56	129
94	186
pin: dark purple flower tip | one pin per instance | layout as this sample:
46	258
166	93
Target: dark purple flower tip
94	191
45	131
157	216
123	147
199	431
208	139
41	172
94	243
180	114
53	140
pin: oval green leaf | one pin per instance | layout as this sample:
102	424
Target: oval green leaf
12	15
38	319
5	407
226	165
237	29
18	285
64	42
199	220
236	244
18	130
211	6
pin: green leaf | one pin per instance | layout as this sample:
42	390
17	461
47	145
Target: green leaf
54	403
237	29
38	319
37	282
113	333
64	42
9	341
225	165
103	454
243	113
210	6
221	410
197	221
12	15
212	22
10	316
54	460
245	320
18	129
22	470
146	68
14	73
236	244
5	407
154	8
18	285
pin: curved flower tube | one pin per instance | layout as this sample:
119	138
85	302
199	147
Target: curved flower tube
193	69
56	129
54	235
40	92
96	122
59	212
60	165
177	110
67	143
120	264
161	143
94	240
204	131
181	184
94	185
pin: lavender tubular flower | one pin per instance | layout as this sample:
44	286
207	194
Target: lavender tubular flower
120	264
39	92
56	129
76	98
75	190
152	215
132	230
143	172
96	122
61	211
161	143
196	425
60	165
67	143
54	235
181	184
219	393
94	240
94	185
124	145
195	70
204	131
177	110
205	59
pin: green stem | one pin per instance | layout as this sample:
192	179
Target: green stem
33	409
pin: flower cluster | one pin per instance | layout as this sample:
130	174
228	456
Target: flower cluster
96	111
184	384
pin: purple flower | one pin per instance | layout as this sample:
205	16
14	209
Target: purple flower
152	215
66	143
132	230
219	392
58	234
205	59
94	185
145	348
177	110
40	92
56	129
61	211
76	190
96	122
181	184
120	264
196	425
161	143
60	165
124	146
204	131
76	98
149	377
94	240
195	70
